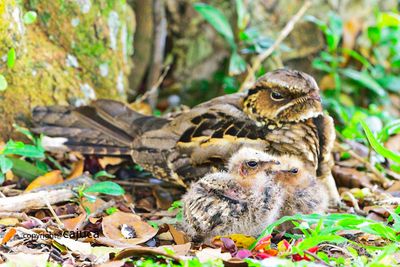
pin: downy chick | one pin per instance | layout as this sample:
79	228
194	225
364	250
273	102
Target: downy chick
304	193
243	200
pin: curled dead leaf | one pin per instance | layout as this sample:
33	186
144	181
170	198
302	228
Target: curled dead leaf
77	169
113	223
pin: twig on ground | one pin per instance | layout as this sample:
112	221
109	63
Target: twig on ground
355	204
18	215
282	35
59	222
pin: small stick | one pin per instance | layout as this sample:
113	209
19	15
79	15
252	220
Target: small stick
53	213
283	34
355	204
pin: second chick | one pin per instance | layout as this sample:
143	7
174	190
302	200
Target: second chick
245	199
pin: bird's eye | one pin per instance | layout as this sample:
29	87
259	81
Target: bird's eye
252	164
276	96
294	170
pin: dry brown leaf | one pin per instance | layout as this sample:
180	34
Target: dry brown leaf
327	82
92	206
178	236
138	251
351	29
50	178
350	177
77	169
26	260
180	250
105	161
142	108
72	223
112	228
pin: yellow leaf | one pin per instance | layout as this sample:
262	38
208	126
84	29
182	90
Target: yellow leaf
77	170
50	178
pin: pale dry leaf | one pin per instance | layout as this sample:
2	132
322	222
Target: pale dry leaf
76	246
208	254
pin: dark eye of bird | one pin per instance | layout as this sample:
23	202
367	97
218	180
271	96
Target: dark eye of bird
294	170
252	164
276	96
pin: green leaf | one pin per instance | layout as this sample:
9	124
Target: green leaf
1	178
11	58
316	240
111	210
374	34
366	80
107	187
378	147
391	82
218	20
237	64
30	17
389	129
5	164
24	169
3	83
103	174
242	15
19	148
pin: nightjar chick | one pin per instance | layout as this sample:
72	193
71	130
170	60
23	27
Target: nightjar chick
243	200
304	193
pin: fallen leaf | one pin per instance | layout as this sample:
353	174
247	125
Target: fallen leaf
9	221
26	260
76	246
105	161
350	177
50	178
77	169
209	254
138	251
72	223
179	236
112	228
10	233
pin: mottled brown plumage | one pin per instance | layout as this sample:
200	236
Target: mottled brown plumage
243	200
281	114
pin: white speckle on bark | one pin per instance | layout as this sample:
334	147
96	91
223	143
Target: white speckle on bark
75	22
88	91
103	69
113	25
120	83
71	61
84	5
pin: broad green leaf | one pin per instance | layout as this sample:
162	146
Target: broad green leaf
388	19
366	80
218	20
30	17
11	58
237	64
5	164
26	170
374	34
390	82
107	187
378	147
3	83
19	148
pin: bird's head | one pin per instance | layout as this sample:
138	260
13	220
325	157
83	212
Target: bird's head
248	166
283	96
292	172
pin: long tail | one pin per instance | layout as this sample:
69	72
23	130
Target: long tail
106	127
